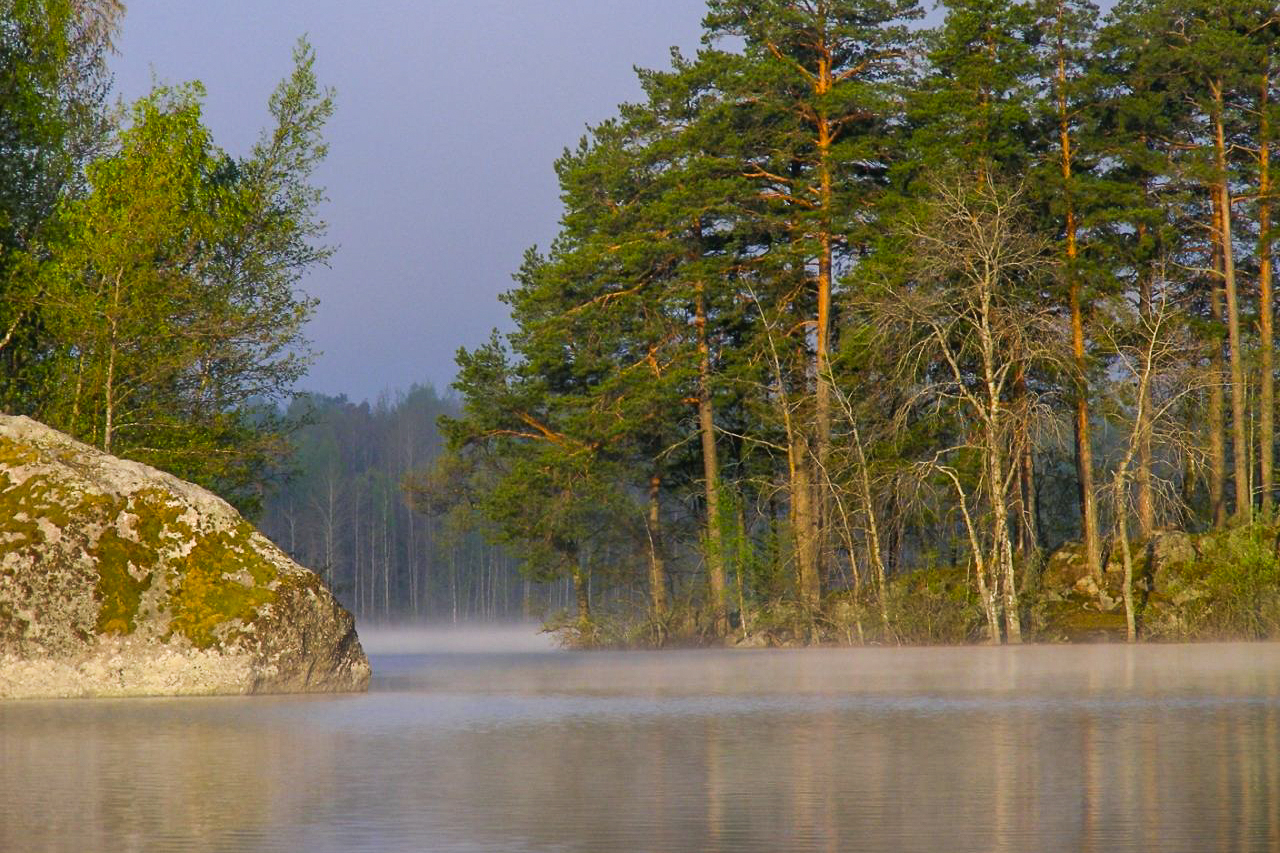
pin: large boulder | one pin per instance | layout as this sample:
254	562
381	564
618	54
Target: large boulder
120	580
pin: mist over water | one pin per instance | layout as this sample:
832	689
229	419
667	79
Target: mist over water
493	739
466	638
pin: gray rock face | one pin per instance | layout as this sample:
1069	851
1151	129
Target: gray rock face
1169	552
120	580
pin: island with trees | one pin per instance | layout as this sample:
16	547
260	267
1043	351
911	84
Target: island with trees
859	327
862	330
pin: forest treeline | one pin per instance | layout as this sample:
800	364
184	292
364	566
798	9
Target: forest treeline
148	278
342	509
850	322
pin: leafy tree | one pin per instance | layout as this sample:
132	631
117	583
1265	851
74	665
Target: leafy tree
128	271
170	297
53	83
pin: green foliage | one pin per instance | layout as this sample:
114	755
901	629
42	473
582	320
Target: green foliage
934	607
1230	591
976	105
53	86
164	289
859	262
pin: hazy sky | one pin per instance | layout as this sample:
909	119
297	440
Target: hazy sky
449	116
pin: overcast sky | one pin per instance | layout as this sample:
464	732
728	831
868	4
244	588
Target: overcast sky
449	116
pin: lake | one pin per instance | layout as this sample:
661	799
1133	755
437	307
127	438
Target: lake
493	741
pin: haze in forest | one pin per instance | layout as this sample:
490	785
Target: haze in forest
448	118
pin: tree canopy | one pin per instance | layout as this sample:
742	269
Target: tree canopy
150	279
843	301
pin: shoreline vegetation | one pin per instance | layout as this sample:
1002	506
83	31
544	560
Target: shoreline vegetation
860	331
1212	587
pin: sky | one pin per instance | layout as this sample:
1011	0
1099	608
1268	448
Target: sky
450	114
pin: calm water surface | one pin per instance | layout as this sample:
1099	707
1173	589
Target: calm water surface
507	745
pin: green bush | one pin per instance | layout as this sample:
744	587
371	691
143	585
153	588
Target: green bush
1229	591
1241	588
933	607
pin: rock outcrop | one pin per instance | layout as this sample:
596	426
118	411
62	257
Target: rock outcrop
120	580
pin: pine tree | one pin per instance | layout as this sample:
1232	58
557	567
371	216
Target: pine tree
817	88
1068	36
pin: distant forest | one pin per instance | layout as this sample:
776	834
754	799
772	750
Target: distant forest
341	508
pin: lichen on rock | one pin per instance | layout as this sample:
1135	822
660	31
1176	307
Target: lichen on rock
118	579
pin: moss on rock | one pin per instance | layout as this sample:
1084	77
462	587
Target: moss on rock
96	552
124	574
222	580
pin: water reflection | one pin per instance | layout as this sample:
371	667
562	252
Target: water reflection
1103	749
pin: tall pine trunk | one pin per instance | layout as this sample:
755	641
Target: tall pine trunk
710	471
657	564
1083	439
1217	401
582	596
1266	336
822	344
804	523
1239	445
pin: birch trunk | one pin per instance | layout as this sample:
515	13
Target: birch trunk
1146	497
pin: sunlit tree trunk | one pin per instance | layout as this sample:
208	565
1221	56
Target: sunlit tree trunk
822	365
1083	437
1239	445
1217	400
582	597
1266	335
710	471
804	523
657	565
